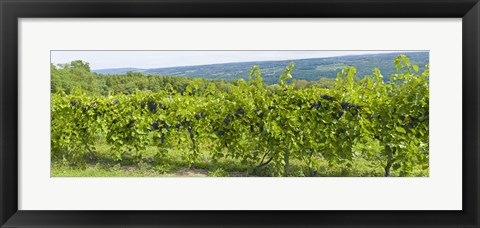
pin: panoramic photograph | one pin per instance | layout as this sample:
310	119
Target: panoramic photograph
305	113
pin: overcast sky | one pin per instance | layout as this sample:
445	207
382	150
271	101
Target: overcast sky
158	59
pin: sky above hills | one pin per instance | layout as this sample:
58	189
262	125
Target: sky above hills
159	59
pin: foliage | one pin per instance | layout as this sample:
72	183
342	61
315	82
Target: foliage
383	122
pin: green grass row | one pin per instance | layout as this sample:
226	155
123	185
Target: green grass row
173	163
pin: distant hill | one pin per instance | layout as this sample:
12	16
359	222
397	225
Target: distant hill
116	70
307	69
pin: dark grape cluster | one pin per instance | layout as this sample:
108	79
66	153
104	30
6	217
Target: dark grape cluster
315	105
198	116
240	112
190	132
227	119
165	125
353	108
328	98
159	126
154	125
259	113
152	106
73	103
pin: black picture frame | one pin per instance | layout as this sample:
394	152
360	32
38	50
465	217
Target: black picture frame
12	10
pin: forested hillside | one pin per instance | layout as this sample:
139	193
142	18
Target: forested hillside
305	69
77	74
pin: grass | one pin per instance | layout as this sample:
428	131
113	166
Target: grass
174	163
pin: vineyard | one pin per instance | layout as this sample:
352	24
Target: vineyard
381	122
